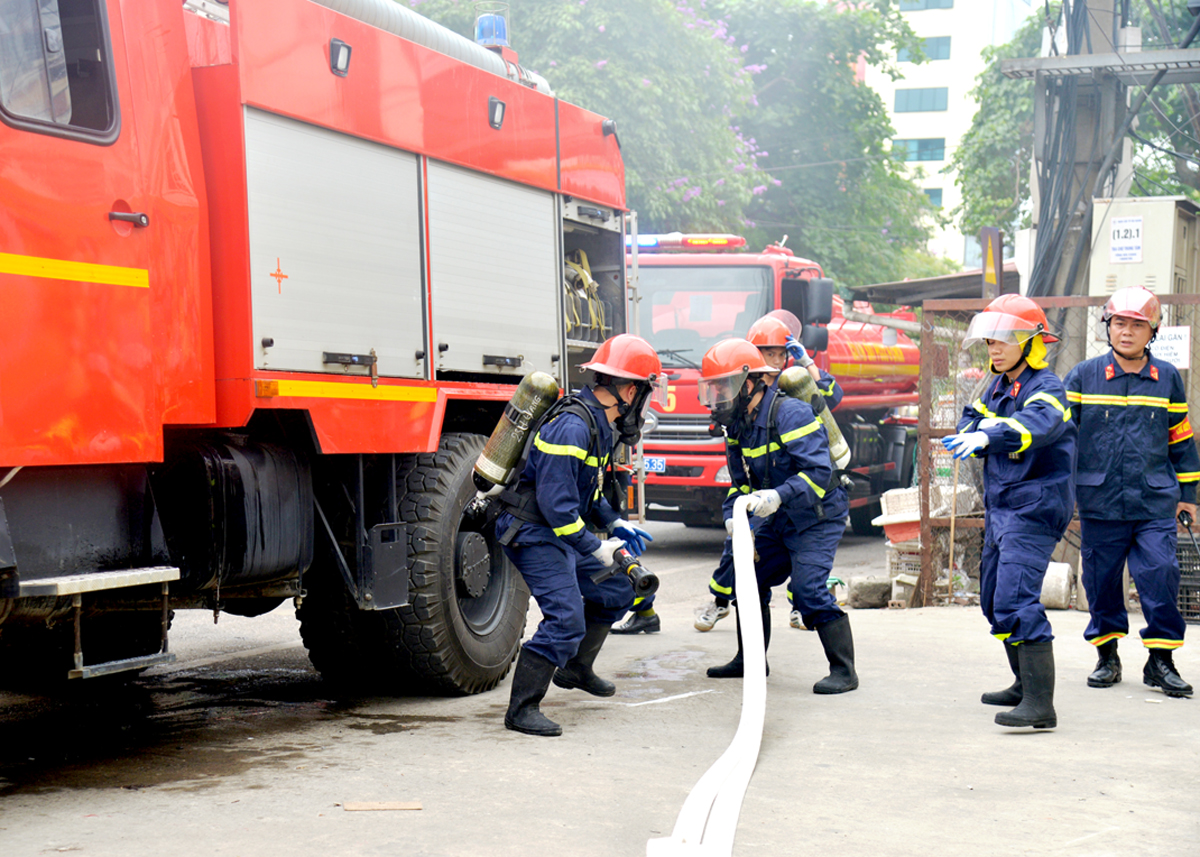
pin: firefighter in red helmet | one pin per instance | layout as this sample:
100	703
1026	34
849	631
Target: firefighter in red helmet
1137	471
544	527
778	453
1021	427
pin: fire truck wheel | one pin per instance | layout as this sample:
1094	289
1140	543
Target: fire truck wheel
465	619
861	517
462	626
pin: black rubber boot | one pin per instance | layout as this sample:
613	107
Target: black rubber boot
639	624
531	679
1160	672
839	649
578	671
736	668
1037	681
1108	668
1012	695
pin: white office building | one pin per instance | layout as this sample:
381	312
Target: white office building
931	107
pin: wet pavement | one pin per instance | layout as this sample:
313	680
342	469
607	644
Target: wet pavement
241	749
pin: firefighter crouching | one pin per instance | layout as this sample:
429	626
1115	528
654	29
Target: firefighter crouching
778	453
1137	470
544	528
1022	427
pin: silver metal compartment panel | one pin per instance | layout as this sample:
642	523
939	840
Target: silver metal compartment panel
494	272
335	261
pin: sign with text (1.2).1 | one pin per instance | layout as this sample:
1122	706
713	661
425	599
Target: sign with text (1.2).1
1174	344
1125	234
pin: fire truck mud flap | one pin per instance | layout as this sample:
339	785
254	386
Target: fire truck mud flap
460	631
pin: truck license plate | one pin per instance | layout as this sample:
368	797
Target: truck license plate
655	464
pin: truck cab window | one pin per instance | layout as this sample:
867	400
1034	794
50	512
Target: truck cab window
56	68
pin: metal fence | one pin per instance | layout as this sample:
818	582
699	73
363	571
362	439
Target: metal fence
950	379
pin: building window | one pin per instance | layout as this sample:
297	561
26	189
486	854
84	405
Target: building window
935	48
921	100
56	72
935	196
919	5
932	149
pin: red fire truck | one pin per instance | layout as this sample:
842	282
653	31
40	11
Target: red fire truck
695	290
268	274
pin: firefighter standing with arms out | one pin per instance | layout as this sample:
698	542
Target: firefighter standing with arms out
775	341
778	453
1137	471
544	529
1022	428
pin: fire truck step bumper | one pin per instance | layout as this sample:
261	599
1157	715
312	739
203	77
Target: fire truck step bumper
124	665
75	585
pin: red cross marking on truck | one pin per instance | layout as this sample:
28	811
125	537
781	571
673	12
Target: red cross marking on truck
278	274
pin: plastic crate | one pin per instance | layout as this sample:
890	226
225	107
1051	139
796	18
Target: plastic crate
901	561
1189	581
901	501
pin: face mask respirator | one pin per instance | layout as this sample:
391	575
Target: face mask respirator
631	415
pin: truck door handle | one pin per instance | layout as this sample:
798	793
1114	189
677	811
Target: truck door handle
138	219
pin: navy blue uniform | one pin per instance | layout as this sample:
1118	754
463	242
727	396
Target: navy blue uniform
565	469
1137	460
800	539
721	583
1029	496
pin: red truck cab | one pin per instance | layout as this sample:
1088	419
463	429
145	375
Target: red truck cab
695	290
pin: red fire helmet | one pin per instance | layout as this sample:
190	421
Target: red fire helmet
1135	302
769	332
725	368
1009	318
626	356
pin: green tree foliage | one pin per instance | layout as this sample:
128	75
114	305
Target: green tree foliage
739	116
1167	139
671	77
835	188
995	156
993	159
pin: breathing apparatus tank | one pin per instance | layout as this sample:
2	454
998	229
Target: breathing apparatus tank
532	398
798	384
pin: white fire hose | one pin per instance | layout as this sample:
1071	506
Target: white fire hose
708	820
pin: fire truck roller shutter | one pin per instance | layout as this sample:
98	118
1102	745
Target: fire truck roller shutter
335	255
494	273
463	624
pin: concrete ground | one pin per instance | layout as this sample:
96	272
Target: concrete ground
240	750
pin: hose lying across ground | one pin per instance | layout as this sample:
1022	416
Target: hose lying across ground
708	820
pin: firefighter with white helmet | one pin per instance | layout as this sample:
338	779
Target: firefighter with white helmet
1021	426
778	453
1137	471
544	528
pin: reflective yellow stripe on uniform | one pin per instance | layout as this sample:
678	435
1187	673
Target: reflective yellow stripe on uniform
716	587
573	527
818	490
1188	477
1046	397
800	432
1177	408
1026	436
566	449
1120	401
1162	644
743	489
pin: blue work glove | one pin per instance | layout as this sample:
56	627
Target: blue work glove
796	351
635	538
967	444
